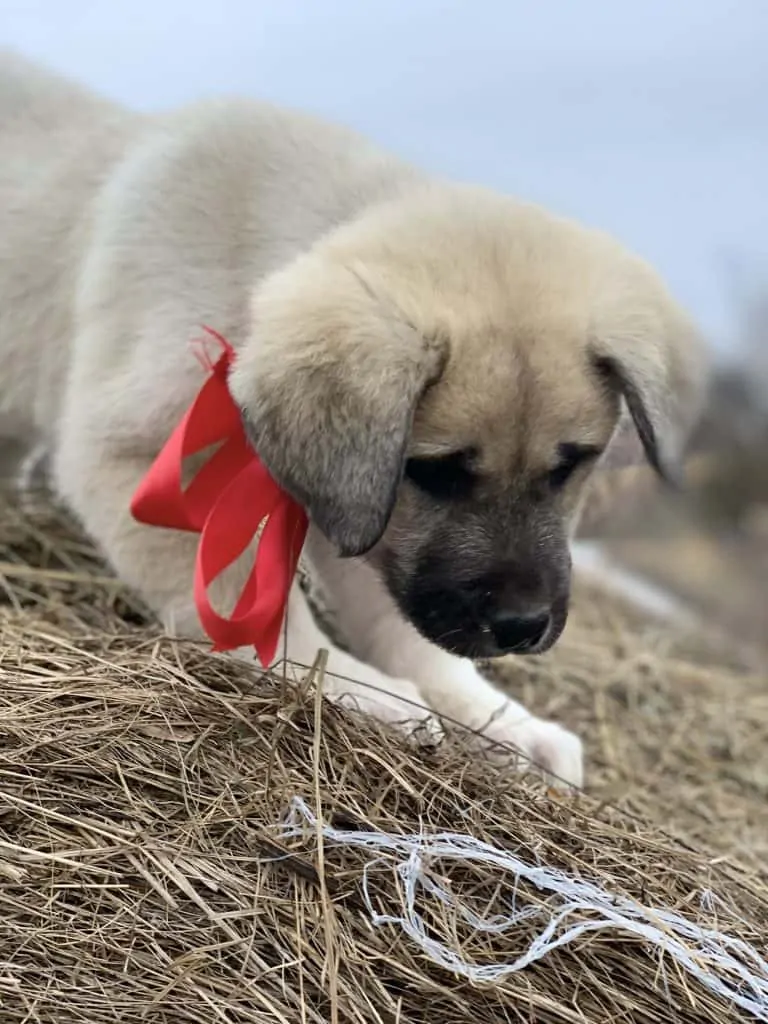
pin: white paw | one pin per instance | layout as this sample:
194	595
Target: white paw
395	702
546	745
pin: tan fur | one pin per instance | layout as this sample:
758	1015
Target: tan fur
377	315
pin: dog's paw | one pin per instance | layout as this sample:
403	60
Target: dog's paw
546	745
394	702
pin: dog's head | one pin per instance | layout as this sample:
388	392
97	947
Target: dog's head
435	383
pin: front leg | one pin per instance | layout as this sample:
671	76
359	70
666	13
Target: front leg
351	682
454	688
451	686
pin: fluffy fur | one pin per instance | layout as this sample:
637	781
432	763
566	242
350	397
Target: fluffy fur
431	368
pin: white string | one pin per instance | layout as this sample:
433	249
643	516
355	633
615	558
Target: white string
729	967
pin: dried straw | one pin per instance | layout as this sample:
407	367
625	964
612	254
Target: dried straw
142	878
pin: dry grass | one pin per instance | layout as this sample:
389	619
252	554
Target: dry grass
140	874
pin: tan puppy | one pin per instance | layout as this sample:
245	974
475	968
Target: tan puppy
433	370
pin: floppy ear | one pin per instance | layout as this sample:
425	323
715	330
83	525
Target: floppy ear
662	380
329	387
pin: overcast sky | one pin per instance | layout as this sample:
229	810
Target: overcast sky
647	118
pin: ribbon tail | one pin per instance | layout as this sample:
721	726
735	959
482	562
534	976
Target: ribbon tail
276	562
260	611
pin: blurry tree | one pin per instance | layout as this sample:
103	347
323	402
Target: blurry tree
733	479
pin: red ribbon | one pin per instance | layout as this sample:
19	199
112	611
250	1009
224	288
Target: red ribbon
226	502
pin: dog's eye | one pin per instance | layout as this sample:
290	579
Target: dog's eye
572	456
442	476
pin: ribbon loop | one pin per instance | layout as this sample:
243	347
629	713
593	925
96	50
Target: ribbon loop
226	502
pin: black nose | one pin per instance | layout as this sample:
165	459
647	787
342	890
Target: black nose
518	633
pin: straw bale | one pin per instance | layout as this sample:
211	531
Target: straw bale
141	779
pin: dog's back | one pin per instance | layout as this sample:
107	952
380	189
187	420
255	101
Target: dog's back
211	197
58	143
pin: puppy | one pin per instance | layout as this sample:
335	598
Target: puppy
433	370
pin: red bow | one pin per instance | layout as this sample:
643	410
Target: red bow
225	503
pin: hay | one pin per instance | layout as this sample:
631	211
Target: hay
142	877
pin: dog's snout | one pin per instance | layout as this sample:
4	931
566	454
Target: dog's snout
519	633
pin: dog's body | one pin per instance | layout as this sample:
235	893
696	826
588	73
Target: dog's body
430	368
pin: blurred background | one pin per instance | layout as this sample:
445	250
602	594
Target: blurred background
648	119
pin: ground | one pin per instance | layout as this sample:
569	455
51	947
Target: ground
144	874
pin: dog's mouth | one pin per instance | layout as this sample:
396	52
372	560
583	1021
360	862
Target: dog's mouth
479	642
452	625
469	622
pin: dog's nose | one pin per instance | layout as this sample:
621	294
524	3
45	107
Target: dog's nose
518	633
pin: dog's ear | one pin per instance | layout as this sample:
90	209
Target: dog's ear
660	373
329	387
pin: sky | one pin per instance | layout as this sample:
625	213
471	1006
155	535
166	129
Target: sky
648	119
